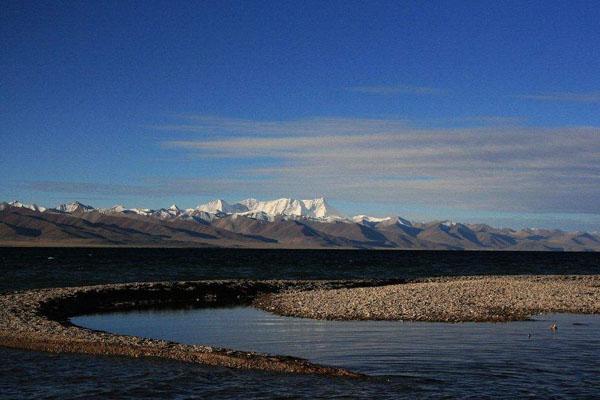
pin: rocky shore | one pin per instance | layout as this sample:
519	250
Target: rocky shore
499	298
39	320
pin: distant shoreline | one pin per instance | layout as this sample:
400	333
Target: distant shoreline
49	245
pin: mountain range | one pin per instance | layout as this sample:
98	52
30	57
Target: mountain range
283	223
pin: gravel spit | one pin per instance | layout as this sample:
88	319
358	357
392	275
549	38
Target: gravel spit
498	298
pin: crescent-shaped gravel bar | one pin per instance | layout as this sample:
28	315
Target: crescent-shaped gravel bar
39	320
451	299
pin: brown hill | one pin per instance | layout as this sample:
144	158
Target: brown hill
22	226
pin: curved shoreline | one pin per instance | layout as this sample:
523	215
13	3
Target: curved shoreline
39	320
456	299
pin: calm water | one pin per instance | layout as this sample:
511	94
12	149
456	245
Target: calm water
409	357
36	375
22	268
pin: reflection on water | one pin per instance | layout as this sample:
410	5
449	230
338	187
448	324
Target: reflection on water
487	358
411	360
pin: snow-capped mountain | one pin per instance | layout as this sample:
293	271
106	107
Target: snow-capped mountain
253	223
33	207
221	206
141	211
201	216
114	209
250	203
285	208
385	221
257	215
365	219
166	213
73	207
317	208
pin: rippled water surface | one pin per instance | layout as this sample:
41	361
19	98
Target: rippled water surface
50	267
409	360
495	359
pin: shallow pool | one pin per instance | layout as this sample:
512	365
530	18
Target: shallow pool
525	356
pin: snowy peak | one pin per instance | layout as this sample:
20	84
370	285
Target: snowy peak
284	208
289	207
320	208
363	219
221	206
250	203
74	207
257	215
316	208
385	221
140	211
214	206
167	213
398	221
32	207
114	209
284	222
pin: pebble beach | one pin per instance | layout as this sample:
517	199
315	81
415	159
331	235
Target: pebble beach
477	299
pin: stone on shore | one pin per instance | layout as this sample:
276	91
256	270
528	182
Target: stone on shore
497	298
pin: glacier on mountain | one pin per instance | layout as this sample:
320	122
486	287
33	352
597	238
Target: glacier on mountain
74	206
33	207
317	209
287	207
372	221
221	206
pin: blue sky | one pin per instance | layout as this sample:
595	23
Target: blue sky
475	111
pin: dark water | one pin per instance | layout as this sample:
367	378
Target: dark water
22	268
410	357
37	375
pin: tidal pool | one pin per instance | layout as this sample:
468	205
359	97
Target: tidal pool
523	355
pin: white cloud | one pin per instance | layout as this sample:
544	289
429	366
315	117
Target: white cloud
591	97
503	167
310	126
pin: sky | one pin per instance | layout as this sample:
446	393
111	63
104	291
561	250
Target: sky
483	111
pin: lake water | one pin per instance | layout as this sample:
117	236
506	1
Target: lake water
495	359
26	268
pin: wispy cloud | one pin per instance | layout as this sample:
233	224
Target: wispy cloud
507	167
90	188
591	97
147	188
399	89
491	119
213	125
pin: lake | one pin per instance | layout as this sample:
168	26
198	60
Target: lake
505	359
408	360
